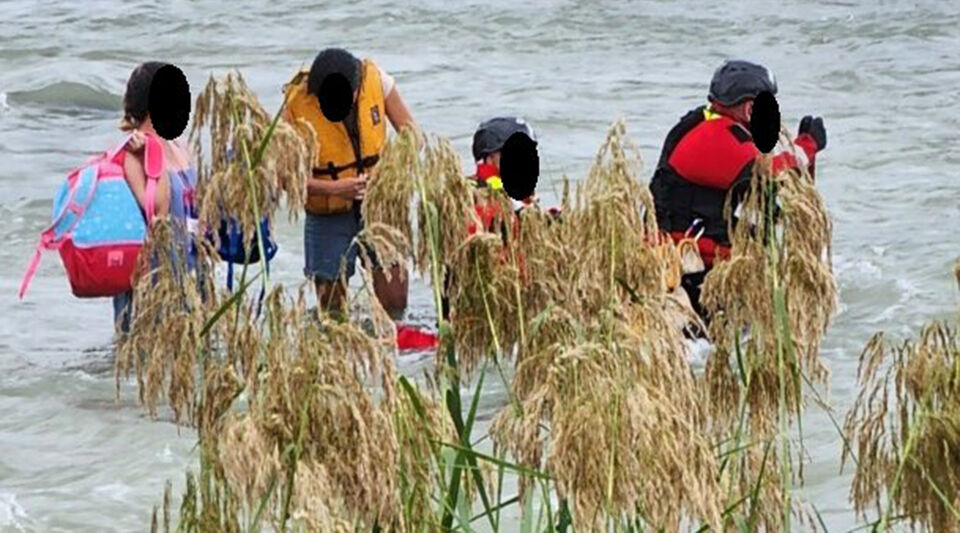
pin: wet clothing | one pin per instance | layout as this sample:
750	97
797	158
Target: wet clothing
707	157
328	245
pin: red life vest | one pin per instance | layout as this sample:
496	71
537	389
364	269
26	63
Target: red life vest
705	158
487	212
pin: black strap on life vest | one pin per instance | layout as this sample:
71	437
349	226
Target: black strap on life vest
353	133
680	203
333	171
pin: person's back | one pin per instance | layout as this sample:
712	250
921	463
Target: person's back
176	187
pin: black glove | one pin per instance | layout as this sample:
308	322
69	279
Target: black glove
814	128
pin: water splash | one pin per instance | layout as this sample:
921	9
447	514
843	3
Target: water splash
12	514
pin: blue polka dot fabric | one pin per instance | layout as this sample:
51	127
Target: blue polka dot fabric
112	215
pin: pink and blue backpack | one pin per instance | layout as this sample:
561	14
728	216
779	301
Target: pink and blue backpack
98	226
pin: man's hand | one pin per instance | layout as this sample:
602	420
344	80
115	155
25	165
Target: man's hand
814	128
353	188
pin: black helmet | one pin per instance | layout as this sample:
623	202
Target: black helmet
737	80
492	134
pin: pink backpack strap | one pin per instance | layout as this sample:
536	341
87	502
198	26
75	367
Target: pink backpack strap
112	153
46	243
153	167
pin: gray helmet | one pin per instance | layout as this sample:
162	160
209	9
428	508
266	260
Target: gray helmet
736	80
492	134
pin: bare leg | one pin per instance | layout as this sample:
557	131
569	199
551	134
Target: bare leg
331	296
393	293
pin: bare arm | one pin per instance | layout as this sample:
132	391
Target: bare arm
397	110
350	188
317	186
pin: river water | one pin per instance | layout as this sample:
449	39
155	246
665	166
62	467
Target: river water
883	74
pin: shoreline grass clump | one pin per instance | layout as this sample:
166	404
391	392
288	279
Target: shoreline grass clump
305	424
905	428
231	116
252	163
165	337
316	382
445	209
770	304
777	286
390	192
326	440
602	373
484	310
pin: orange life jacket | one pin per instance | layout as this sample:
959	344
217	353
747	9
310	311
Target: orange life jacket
339	155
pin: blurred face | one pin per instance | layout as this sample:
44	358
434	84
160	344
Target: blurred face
493	159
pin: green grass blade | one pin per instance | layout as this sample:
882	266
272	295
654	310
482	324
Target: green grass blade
465	440
225	306
255	523
500	506
489	458
755	493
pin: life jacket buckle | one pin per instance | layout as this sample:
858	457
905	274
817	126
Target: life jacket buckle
691	260
698	226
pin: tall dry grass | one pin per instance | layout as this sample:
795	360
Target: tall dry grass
770	305
905	428
305	423
229	114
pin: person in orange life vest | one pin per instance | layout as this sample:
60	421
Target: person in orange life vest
709	154
346	101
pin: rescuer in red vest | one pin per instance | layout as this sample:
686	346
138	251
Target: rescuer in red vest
710	153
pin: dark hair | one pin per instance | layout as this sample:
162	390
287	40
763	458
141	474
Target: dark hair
136	99
333	61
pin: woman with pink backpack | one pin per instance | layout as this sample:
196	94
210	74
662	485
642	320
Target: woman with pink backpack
103	209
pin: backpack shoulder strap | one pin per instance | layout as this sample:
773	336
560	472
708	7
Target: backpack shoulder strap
153	167
153	164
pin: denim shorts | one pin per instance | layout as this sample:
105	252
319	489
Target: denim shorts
329	245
